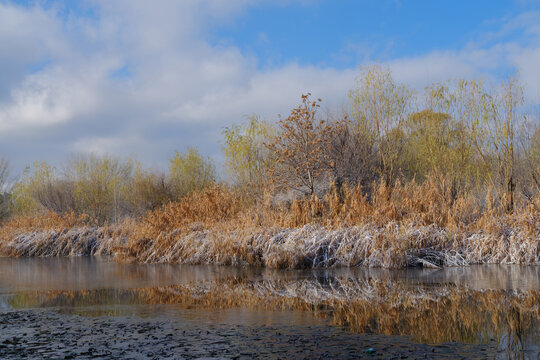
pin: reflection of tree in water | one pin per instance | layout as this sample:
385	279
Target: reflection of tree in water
432	314
513	340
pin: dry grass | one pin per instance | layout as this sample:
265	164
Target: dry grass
209	206
407	225
42	221
49	234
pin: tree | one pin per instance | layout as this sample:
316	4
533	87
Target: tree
502	130
41	187
149	190
300	149
25	189
4	195
468	104
352	154
490	116
247	160
190	172
436	144
533	156
101	185
379	105
530	158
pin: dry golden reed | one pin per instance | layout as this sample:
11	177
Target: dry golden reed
406	225
49	234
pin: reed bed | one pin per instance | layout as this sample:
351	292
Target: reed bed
50	234
406	225
313	246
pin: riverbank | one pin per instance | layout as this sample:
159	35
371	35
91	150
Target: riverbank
311	246
413	225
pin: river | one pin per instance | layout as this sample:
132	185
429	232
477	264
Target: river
85	307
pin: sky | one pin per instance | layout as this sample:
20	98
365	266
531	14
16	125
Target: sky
145	78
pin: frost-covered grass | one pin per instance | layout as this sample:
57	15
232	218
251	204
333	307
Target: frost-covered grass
310	246
408	225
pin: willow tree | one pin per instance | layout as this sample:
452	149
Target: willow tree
101	185
4	195
468	105
33	179
502	134
190	172
490	116
532	156
379	106
430	137
149	190
247	159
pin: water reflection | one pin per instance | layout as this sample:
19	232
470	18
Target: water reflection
84	273
496	305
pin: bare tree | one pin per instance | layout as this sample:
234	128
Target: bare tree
529	158
300	149
352	155
4	195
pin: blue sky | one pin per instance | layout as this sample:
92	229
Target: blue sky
146	78
345	33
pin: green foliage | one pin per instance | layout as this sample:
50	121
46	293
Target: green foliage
468	104
247	159
4	173
464	136
189	172
490	116
379	105
531	159
90	184
149	190
24	191
534	148
436	144
101	185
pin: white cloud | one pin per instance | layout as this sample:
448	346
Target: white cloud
527	61
180	90
52	96
104	145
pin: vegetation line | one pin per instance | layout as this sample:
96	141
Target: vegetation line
447	177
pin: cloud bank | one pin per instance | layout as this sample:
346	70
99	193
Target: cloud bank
139	78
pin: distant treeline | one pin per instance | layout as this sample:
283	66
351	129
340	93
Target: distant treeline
463	135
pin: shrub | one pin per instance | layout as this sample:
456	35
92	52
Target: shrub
247	159
101	186
189	172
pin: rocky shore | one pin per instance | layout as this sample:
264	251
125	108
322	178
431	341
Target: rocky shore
49	334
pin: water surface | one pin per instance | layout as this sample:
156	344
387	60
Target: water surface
492	305
85	273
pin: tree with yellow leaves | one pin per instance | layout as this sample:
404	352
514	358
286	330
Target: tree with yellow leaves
379	107
247	159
